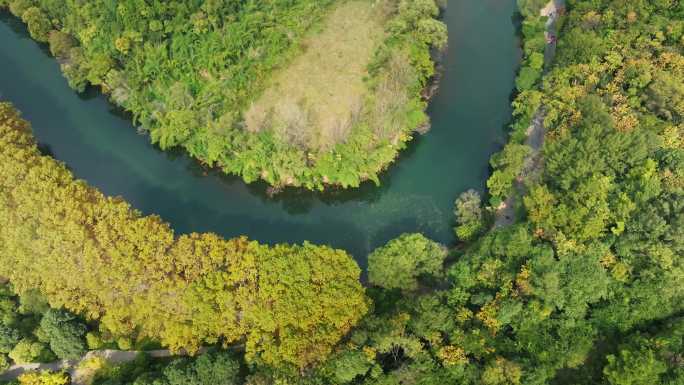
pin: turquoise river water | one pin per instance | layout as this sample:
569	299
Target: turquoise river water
468	115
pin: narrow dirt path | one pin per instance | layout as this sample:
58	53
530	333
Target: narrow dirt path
505	213
72	366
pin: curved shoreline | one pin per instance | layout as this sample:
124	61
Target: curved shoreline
468	116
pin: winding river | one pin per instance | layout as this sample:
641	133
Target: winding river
468	116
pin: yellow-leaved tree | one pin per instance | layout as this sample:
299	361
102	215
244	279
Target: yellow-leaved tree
97	256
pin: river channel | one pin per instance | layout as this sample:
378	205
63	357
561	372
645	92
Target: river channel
101	146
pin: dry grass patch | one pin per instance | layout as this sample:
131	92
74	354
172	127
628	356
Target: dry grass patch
314	102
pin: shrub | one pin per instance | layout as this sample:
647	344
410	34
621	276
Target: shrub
4	362
28	351
9	337
469	215
60	43
43	378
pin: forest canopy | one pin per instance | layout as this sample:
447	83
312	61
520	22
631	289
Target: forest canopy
584	288
297	93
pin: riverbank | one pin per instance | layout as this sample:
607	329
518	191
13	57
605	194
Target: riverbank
468	116
505	214
320	105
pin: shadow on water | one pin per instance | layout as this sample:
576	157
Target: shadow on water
517	19
13	23
100	145
92	92
45	150
300	201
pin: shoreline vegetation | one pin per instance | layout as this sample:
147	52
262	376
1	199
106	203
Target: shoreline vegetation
504	213
96	256
242	87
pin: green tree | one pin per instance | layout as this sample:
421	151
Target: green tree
527	78
9	337
350	365
469	216
39	25
508	165
531	8
60	43
634	367
18	7
502	372
400	263
8	306
5	362
33	302
665	95
65	333
28	351
211	368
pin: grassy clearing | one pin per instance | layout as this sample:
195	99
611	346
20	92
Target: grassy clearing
315	101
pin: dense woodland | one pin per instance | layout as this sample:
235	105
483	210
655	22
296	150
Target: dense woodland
96	256
585	287
188	71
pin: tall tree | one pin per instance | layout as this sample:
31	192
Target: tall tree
400	263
